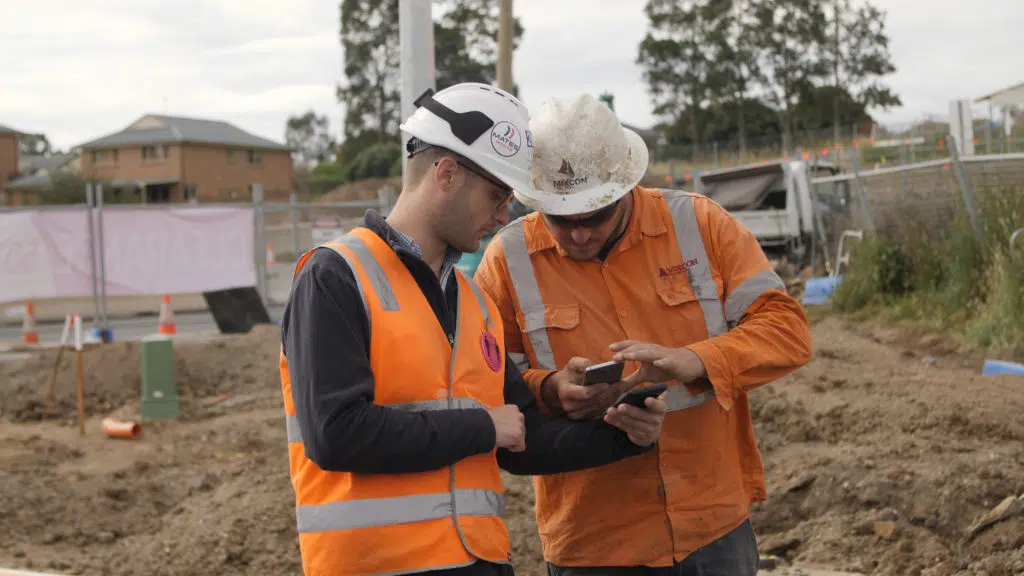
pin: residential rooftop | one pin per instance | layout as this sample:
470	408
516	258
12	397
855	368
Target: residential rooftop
161	129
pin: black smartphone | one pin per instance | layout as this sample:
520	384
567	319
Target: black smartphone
636	396
608	373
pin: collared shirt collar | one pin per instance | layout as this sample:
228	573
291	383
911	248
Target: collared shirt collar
399	241
645	221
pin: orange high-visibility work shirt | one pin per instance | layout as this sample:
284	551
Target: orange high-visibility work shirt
684	274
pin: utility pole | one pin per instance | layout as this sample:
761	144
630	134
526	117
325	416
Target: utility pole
505	34
416	41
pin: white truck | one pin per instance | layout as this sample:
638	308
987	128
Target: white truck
777	202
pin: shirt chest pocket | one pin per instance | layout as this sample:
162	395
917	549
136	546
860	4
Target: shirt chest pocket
535	324
699	304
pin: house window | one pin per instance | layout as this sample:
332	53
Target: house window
255	157
154	153
104	156
190	192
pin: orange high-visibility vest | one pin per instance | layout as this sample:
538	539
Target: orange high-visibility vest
352	523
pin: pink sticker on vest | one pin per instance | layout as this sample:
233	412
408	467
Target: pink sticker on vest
492	354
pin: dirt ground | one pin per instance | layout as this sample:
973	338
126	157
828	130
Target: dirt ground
880	454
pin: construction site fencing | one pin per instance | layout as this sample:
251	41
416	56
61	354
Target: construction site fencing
282	231
676	161
924	203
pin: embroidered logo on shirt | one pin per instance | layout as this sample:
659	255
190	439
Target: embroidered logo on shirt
677	269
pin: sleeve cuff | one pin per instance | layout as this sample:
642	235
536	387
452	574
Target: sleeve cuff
718	371
534	378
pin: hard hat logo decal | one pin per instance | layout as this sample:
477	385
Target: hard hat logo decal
529	139
492	354
566	169
571	181
505	139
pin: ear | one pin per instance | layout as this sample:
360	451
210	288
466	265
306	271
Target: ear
446	177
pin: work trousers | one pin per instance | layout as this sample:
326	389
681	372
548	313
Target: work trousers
734	554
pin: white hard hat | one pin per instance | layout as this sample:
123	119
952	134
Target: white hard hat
584	159
488	126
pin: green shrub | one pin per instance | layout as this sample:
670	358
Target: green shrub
930	266
877	268
374	161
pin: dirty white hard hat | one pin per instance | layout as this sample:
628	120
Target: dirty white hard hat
583	158
486	125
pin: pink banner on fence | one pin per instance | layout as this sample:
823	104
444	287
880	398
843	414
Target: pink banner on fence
147	252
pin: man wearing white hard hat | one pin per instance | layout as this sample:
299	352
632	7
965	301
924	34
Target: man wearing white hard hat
400	403
672	285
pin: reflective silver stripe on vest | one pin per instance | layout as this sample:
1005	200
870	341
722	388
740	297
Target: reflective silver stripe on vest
691	246
378	279
295	432
745	294
376	512
522	361
479	295
524	282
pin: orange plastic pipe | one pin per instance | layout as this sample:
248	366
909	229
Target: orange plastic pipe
121	428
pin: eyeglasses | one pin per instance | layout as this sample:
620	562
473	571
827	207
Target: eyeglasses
593	221
506	191
466	126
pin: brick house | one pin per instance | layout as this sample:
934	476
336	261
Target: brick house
173	159
8	154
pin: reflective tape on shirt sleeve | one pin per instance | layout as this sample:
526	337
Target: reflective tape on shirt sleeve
691	246
522	361
679	398
378	279
750	290
524	282
374	512
479	296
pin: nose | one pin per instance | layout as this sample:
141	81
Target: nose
580	235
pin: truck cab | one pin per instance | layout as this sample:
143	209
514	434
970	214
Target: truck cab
776	201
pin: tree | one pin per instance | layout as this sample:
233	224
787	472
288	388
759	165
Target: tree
678	55
309	137
34	144
466	42
370	92
737	69
788	37
858	53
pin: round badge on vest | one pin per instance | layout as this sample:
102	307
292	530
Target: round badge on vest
492	355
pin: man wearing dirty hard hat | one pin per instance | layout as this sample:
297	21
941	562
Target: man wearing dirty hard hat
672	285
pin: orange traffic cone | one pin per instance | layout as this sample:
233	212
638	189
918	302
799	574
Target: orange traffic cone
28	325
166	317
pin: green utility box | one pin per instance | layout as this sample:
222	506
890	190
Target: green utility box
159	390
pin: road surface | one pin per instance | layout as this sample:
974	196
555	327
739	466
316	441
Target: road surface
133	328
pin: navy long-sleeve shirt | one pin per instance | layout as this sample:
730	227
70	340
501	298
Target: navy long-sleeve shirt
325	335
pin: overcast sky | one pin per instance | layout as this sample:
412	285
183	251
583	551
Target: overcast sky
78	70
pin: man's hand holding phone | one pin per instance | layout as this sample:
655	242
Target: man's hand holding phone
565	389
